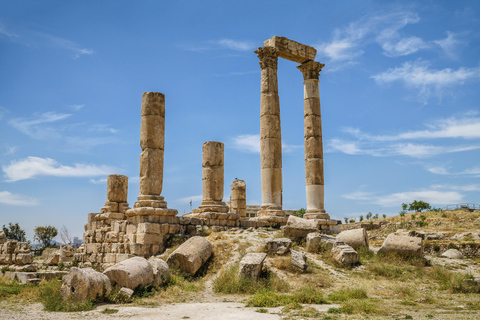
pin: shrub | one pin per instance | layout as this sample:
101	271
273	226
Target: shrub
348	294
359	306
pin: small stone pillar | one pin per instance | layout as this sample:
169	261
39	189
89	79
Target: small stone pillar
212	178
270	136
152	137
116	204
313	141
238	198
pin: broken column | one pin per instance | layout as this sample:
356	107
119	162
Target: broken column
270	136
238	198
116	204
313	141
152	137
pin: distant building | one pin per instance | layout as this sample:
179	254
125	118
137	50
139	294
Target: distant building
77	242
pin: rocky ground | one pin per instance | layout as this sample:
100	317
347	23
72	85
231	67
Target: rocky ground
390	289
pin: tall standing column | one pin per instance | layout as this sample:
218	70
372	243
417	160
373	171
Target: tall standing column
270	135
152	138
213	178
313	141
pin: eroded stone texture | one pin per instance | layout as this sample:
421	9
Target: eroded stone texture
402	245
278	246
344	255
131	273
355	238
86	283
191	255
251	265
238	198
299	260
317	241
291	50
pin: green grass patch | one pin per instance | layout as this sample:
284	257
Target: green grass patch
10	287
268	298
109	311
348	294
454	282
52	299
363	306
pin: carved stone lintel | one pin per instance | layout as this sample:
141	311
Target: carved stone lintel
268	57
311	69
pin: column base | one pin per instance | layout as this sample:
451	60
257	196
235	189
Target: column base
215	215
150	205
316	214
212	206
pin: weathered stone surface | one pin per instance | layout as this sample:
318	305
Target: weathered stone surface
125	294
117	188
151	171
3	238
131	273
238	198
298	227
251	265
402	245
291	50
153	103
191	255
152	132
279	246
344	254
316	240
212	183
212	154
161	271
452	254
23	258
314	171
299	260
355	238
81	284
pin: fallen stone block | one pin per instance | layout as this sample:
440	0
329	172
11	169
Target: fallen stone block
81	284
299	260
297	228
125	294
402	245
251	265
191	255
452	254
316	241
161	271
131	273
279	246
344	254
355	238
23	258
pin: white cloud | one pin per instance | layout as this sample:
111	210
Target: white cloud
11	150
426	81
450	44
469	187
16	199
98	181
32	167
404	47
98	127
442	170
35	126
434	197
186	200
76	107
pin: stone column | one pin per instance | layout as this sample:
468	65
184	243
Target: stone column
152	137
270	135
313	141
212	178
238	198
117	192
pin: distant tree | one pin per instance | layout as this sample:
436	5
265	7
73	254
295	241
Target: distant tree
65	235
299	213
419	206
14	232
361	218
413	217
346	220
384	216
376	216
404	207
352	220
45	235
369	216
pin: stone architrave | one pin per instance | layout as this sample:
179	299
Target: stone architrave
270	136
238	198
313	141
152	138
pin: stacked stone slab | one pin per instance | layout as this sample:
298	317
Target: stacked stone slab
14	252
238	198
212	206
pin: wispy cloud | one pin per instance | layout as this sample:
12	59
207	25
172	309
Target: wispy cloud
32	167
225	44
443	170
250	143
468	187
10	150
431	196
99	127
98	181
451	44
35	126
419	76
76	107
12	199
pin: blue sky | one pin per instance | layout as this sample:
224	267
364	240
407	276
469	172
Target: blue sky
399	94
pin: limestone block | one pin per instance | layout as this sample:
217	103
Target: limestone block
269	104
151	171
125	294
153	103
270	127
452	254
279	246
6	258
109	206
291	50
110	258
161	271
314	171
271	155
111	236
149	238
147	227
311	90
152	132
344	254
402	245
91	217
99	236
123	207
123	256
191	255
316	240
212	183
313	147
81	284
23	258
212	154
117	188
66	250
299	260
311	109
131	273
355	238
131	228
297	228
137	249
10	246
313	126
251	265
269	82
3	237
22	247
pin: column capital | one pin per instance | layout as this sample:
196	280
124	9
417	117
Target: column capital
311	69
268	57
